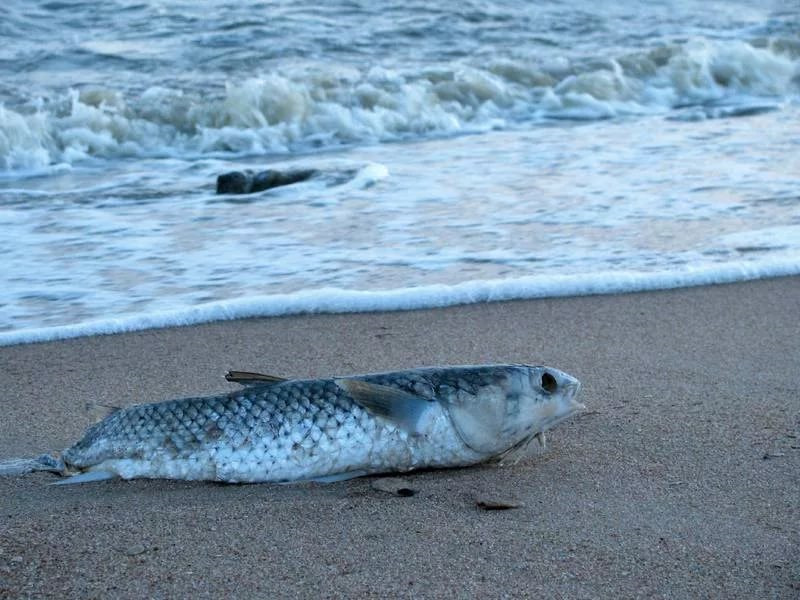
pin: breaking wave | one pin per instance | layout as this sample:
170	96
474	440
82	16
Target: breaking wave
326	106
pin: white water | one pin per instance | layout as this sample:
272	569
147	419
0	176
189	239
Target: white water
465	155
311	105
346	301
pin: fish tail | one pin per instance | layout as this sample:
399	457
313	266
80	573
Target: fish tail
51	464
20	466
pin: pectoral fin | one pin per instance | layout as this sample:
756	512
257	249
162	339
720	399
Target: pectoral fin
249	378
398	407
521	450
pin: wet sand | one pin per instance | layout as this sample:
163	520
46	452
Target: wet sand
680	480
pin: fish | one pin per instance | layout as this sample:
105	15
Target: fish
283	430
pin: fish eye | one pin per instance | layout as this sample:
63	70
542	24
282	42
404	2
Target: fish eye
549	383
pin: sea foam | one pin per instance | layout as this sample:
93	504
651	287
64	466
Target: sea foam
332	300
313	106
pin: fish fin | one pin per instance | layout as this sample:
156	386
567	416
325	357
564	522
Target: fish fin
520	450
97	412
516	453
87	477
250	378
20	466
338	477
401	408
327	478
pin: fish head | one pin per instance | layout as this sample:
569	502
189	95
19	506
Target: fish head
513	405
549	398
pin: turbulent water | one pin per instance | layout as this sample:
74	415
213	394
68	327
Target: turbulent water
466	151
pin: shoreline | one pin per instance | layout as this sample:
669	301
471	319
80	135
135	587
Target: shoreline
426	297
680	479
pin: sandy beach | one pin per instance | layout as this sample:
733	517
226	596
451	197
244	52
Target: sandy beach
680	480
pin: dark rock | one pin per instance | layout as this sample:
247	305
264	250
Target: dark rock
270	179
394	485
235	182
248	182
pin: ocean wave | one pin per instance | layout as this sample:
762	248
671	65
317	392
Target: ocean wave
333	300
325	106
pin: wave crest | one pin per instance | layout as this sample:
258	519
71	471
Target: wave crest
322	107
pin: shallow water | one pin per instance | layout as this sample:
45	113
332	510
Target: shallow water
486	152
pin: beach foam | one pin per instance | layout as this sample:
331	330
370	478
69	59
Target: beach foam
331	300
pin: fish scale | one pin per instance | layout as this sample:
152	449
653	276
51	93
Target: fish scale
327	429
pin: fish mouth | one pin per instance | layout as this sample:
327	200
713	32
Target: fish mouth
574	405
571	389
567	405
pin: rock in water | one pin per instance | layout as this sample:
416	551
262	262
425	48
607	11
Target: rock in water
248	182
235	182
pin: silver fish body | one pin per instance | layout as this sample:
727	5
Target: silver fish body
328	429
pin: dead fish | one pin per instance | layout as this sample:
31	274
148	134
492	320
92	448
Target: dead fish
282	430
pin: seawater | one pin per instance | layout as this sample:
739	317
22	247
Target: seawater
465	153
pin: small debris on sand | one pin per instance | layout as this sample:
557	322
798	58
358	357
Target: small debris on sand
393	485
490	503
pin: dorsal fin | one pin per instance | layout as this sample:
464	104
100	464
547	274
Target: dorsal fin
400	408
97	412
250	378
